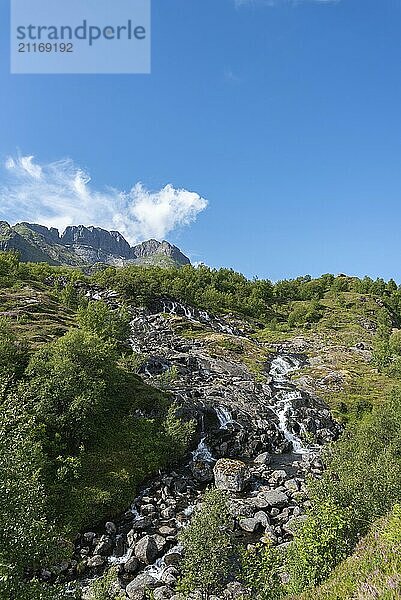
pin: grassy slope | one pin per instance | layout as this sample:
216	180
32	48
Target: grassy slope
373	571
337	371
346	378
36	314
120	460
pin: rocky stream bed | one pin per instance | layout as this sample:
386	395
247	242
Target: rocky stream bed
252	442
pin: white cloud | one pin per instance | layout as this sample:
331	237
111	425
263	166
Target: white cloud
60	193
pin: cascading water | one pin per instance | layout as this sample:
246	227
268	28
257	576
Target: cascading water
283	407
202	453
284	411
192	314
282	366
224	416
158	568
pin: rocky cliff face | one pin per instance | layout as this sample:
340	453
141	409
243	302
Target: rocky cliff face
153	247
84	246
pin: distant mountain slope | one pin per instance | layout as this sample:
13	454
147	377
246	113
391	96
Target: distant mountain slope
81	246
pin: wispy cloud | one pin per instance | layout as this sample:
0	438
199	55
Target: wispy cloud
60	193
272	3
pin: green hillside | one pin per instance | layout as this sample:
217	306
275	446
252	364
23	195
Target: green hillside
80	430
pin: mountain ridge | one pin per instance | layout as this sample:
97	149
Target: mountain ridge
82	246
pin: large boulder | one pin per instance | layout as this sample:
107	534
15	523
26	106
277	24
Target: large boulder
146	550
230	475
140	587
273	498
250	525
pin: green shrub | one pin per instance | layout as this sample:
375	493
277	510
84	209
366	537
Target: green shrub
361	483
108	324
260	572
209	551
322	542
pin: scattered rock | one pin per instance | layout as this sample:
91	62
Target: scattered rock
96	561
146	550
249	524
140	586
274	498
263	458
230	475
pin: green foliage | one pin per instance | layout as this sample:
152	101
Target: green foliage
108	324
107	587
69	296
167	378
13	354
9	265
361	483
260	572
320	545
179	432
27	537
208	547
303	314
373	571
395	342
96	448
72	381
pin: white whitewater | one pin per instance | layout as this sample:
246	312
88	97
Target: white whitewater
175	308
158	568
283	407
202	453
224	416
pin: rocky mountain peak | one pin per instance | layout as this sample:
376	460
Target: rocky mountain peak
111	242
84	246
151	247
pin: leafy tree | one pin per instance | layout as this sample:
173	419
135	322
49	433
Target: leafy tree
69	296
260	572
319	546
208	547
361	483
13	354
27	538
305	313
9	264
395	342
108	324
72	381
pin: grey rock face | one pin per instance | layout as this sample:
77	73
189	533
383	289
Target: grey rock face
249	525
110	242
84	246
146	550
138	588
274	498
230	475
152	247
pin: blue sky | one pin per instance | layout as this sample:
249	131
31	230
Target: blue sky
284	116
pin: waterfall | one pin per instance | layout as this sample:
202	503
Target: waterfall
281	366
284	411
202	453
157	569
224	416
283	408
